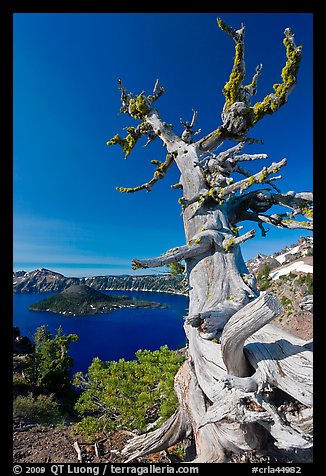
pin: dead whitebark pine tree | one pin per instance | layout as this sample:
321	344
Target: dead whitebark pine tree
244	382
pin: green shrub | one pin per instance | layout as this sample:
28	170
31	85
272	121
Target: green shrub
176	268
307	281
263	285
51	363
90	426
20	385
263	280
128	394
41	409
285	301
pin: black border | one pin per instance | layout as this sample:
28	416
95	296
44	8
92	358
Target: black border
8	9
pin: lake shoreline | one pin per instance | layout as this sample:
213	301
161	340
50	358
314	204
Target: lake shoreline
179	293
113	335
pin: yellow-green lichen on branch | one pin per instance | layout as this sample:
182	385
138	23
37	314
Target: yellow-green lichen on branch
251	181
308	211
216	340
229	244
161	170
127	143
224	26
305	224
274	101
276	169
235	230
129	189
135	265
138	108
232	87
263	175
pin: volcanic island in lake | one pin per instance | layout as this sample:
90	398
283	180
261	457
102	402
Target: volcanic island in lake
83	300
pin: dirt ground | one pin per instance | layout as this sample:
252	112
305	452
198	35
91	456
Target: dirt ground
57	446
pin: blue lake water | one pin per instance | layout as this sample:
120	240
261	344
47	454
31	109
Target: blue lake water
114	335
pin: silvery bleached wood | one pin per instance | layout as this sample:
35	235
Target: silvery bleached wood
238	366
242	325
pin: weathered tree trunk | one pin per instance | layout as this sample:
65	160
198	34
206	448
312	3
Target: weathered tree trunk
227	384
244	382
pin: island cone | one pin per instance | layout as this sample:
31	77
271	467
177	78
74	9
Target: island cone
80	299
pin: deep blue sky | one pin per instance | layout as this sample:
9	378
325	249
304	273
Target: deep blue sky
67	214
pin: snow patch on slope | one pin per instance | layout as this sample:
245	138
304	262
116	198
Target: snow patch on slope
281	258
295	266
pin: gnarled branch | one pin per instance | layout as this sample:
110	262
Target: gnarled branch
248	157
229	243
238	115
259	177
220	193
171	432
196	247
275	220
262	200
161	170
274	101
243	324
189	132
299	202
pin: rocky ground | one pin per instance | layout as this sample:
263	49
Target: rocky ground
291	290
57	445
